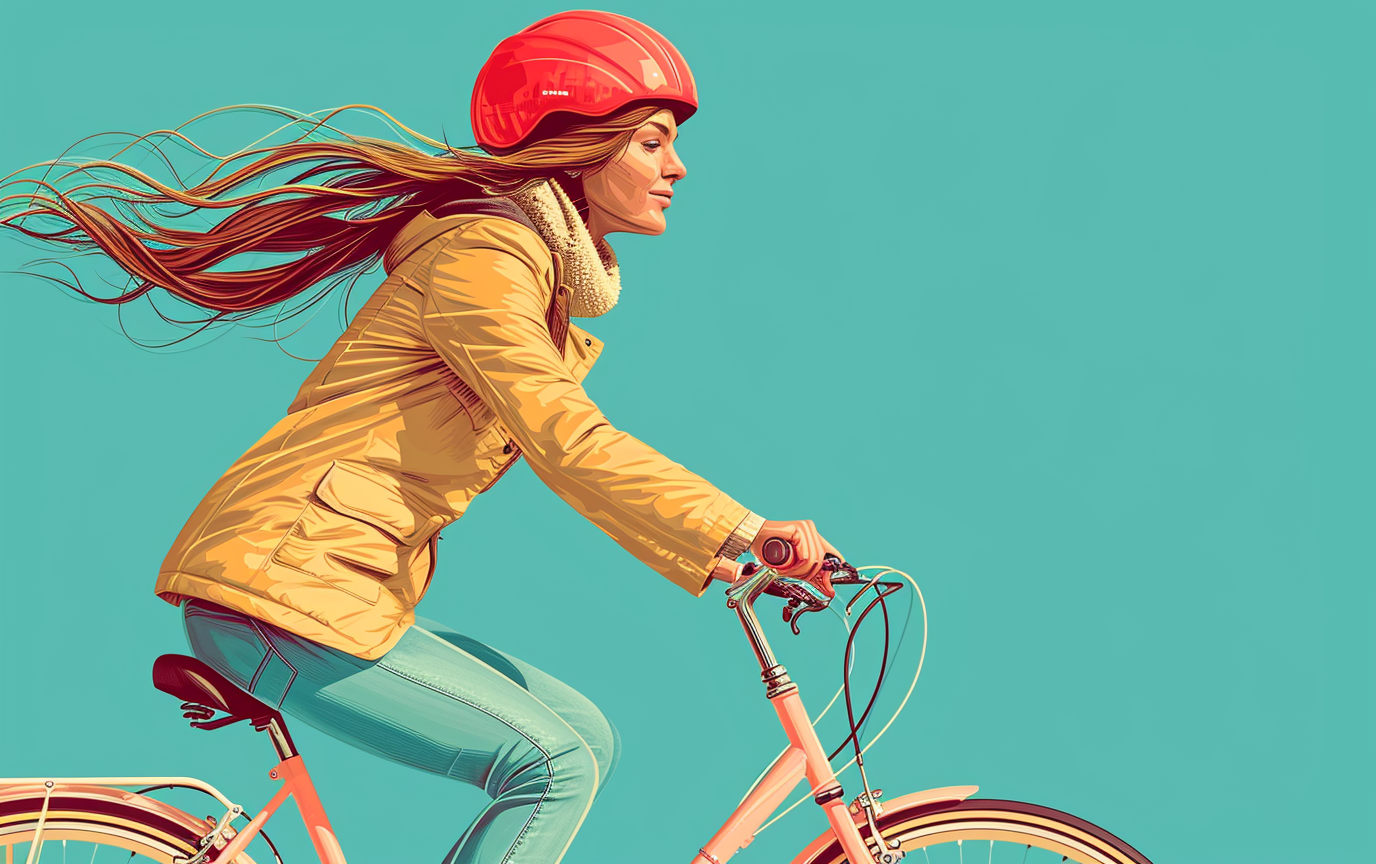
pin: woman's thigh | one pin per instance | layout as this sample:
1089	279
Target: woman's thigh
428	703
573	707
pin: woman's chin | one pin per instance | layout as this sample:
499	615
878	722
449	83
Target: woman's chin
647	223
654	223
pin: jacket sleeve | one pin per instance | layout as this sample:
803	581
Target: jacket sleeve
484	314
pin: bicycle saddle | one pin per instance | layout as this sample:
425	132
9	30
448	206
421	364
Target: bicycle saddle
201	688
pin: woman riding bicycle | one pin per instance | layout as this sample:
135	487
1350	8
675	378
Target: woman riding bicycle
300	571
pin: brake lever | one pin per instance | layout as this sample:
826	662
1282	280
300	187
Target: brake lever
793	624
802	596
798	595
835	566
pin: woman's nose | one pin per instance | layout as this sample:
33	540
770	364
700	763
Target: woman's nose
674	169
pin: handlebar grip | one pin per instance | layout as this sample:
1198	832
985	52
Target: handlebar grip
776	552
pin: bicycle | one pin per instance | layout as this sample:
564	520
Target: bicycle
95	811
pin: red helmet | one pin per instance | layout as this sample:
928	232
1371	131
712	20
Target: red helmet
588	63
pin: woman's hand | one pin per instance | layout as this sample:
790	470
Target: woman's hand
809	549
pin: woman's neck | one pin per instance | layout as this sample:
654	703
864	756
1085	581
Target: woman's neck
596	227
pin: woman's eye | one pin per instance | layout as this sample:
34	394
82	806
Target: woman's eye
652	144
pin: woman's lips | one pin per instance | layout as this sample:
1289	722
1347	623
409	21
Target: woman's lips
662	197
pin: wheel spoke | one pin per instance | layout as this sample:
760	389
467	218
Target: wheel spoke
1004	824
998	851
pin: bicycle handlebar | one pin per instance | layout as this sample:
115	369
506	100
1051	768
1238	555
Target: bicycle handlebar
803	595
817	592
777	552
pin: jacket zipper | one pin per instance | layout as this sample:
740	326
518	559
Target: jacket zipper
557	321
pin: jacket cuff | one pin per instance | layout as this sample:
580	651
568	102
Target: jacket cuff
738	542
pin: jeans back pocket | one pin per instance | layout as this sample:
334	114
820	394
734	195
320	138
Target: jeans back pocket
237	647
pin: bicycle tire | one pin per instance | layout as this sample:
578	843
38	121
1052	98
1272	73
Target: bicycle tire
987	819
99	816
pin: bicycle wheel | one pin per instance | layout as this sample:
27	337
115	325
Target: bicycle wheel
988	831
96	825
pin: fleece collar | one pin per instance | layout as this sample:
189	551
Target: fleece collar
590	269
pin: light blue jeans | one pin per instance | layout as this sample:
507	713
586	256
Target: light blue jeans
443	703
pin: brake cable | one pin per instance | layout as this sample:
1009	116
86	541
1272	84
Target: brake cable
261	833
883	661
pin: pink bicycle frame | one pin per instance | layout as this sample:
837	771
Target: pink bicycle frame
296	783
804	757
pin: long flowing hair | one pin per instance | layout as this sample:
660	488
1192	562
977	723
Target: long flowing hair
343	203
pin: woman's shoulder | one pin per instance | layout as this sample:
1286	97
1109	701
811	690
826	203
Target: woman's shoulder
502	208
470	223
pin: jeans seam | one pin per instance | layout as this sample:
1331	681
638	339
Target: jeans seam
449	772
549	761
271	651
262	664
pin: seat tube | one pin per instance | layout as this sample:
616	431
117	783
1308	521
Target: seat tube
298	780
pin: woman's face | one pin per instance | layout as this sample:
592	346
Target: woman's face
632	192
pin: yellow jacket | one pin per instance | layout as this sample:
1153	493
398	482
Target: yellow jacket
326	527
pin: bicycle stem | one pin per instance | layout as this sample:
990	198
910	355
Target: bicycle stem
752	587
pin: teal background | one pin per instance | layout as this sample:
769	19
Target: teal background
1075	304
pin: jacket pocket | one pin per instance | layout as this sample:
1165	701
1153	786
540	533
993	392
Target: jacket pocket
371	497
351	534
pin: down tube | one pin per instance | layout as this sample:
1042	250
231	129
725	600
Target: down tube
805	757
763	800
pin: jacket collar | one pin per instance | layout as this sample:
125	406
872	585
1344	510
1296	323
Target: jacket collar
590	269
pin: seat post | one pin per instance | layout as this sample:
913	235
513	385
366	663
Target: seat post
276	728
